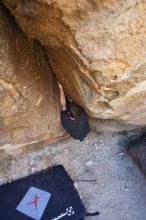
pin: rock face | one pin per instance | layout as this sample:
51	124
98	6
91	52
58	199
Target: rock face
109	125
137	150
28	113
97	50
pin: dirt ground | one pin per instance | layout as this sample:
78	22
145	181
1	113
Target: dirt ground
107	178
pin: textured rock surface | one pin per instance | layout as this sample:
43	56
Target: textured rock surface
97	49
109	125
28	113
137	150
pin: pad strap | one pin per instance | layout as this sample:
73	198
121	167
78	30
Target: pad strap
92	214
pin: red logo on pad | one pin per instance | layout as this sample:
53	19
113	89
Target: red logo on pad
34	202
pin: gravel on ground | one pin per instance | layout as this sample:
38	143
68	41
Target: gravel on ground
106	176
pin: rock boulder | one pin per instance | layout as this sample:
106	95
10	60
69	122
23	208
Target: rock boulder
29	93
97	50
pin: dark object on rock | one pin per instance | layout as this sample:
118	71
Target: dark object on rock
137	150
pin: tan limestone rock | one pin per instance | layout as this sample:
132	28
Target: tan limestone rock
97	49
29	94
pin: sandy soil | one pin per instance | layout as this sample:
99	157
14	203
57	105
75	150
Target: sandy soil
107	178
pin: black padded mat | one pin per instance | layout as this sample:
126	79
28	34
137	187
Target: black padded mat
64	202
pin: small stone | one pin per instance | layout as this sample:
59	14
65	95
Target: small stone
121	154
126	188
33	169
89	163
76	185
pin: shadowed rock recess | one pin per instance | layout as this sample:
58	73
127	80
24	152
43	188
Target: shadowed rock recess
29	116
97	49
